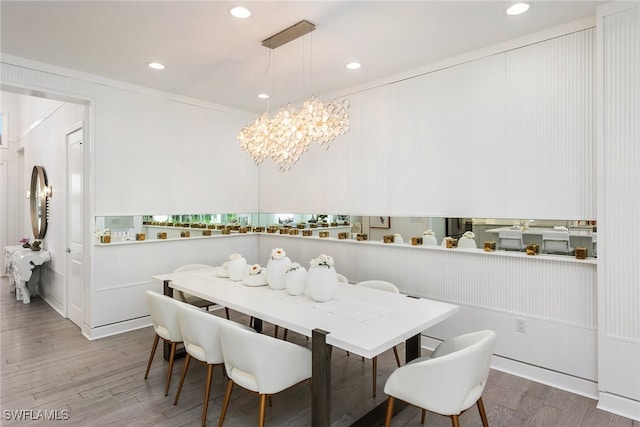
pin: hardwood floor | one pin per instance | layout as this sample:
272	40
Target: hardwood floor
48	369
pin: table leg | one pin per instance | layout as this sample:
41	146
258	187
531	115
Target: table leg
376	415
320	379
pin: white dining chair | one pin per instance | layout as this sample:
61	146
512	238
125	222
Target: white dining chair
164	317
510	240
449	381
201	337
342	278
190	299
385	286
556	242
261	364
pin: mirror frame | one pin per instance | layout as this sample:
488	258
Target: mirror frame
38	202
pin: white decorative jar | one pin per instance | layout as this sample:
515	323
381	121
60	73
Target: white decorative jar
295	279
237	267
322	283
276	268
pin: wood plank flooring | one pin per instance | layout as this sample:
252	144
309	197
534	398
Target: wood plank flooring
48	369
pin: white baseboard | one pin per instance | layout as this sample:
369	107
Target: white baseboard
619	405
555	379
117	328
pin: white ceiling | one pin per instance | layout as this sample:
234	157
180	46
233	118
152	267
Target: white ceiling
214	57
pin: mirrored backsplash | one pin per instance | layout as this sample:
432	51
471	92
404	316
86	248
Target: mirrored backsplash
376	228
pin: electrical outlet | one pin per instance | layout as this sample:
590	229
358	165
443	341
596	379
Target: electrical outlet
521	325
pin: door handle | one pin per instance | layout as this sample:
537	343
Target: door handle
68	250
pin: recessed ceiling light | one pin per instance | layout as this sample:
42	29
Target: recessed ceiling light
156	65
240	12
263	95
353	65
517	9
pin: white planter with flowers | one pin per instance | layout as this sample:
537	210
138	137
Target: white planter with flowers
322	279
276	268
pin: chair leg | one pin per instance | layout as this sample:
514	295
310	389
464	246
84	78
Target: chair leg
455	422
286	332
187	359
483	414
153	353
374	368
207	394
172	357
226	312
275	334
387	418
395	353
424	414
263	410
225	404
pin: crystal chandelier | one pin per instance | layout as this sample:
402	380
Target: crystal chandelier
290	132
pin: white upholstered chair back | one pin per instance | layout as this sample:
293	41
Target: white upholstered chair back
451	379
466	243
380	285
261	363
200	334
510	240
164	316
556	242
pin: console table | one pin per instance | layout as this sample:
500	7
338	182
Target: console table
21	264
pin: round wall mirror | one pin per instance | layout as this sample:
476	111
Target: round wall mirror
38	201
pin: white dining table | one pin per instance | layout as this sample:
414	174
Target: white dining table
360	320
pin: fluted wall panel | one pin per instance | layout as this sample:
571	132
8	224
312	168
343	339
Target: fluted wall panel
550	129
550	289
50	82
621	204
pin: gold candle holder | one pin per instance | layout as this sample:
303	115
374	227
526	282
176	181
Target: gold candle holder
258	229
532	249
581	253
324	234
185	234
313	225
362	236
452	243
343	235
307	232
226	230
301	226
162	235
293	232
206	232
140	236
105	239
388	238
416	241
242	230
489	246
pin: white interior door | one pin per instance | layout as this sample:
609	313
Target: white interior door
75	295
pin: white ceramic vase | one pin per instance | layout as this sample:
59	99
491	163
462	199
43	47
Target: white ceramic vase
322	283
237	269
276	268
296	281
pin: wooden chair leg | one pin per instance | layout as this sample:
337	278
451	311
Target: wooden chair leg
374	368
153	353
275	334
455	422
395	353
387	418
207	394
187	359
424	414
286	332
483	414
172	357
226	312
263	410
225	404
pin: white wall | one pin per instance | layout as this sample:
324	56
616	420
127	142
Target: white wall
619	209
